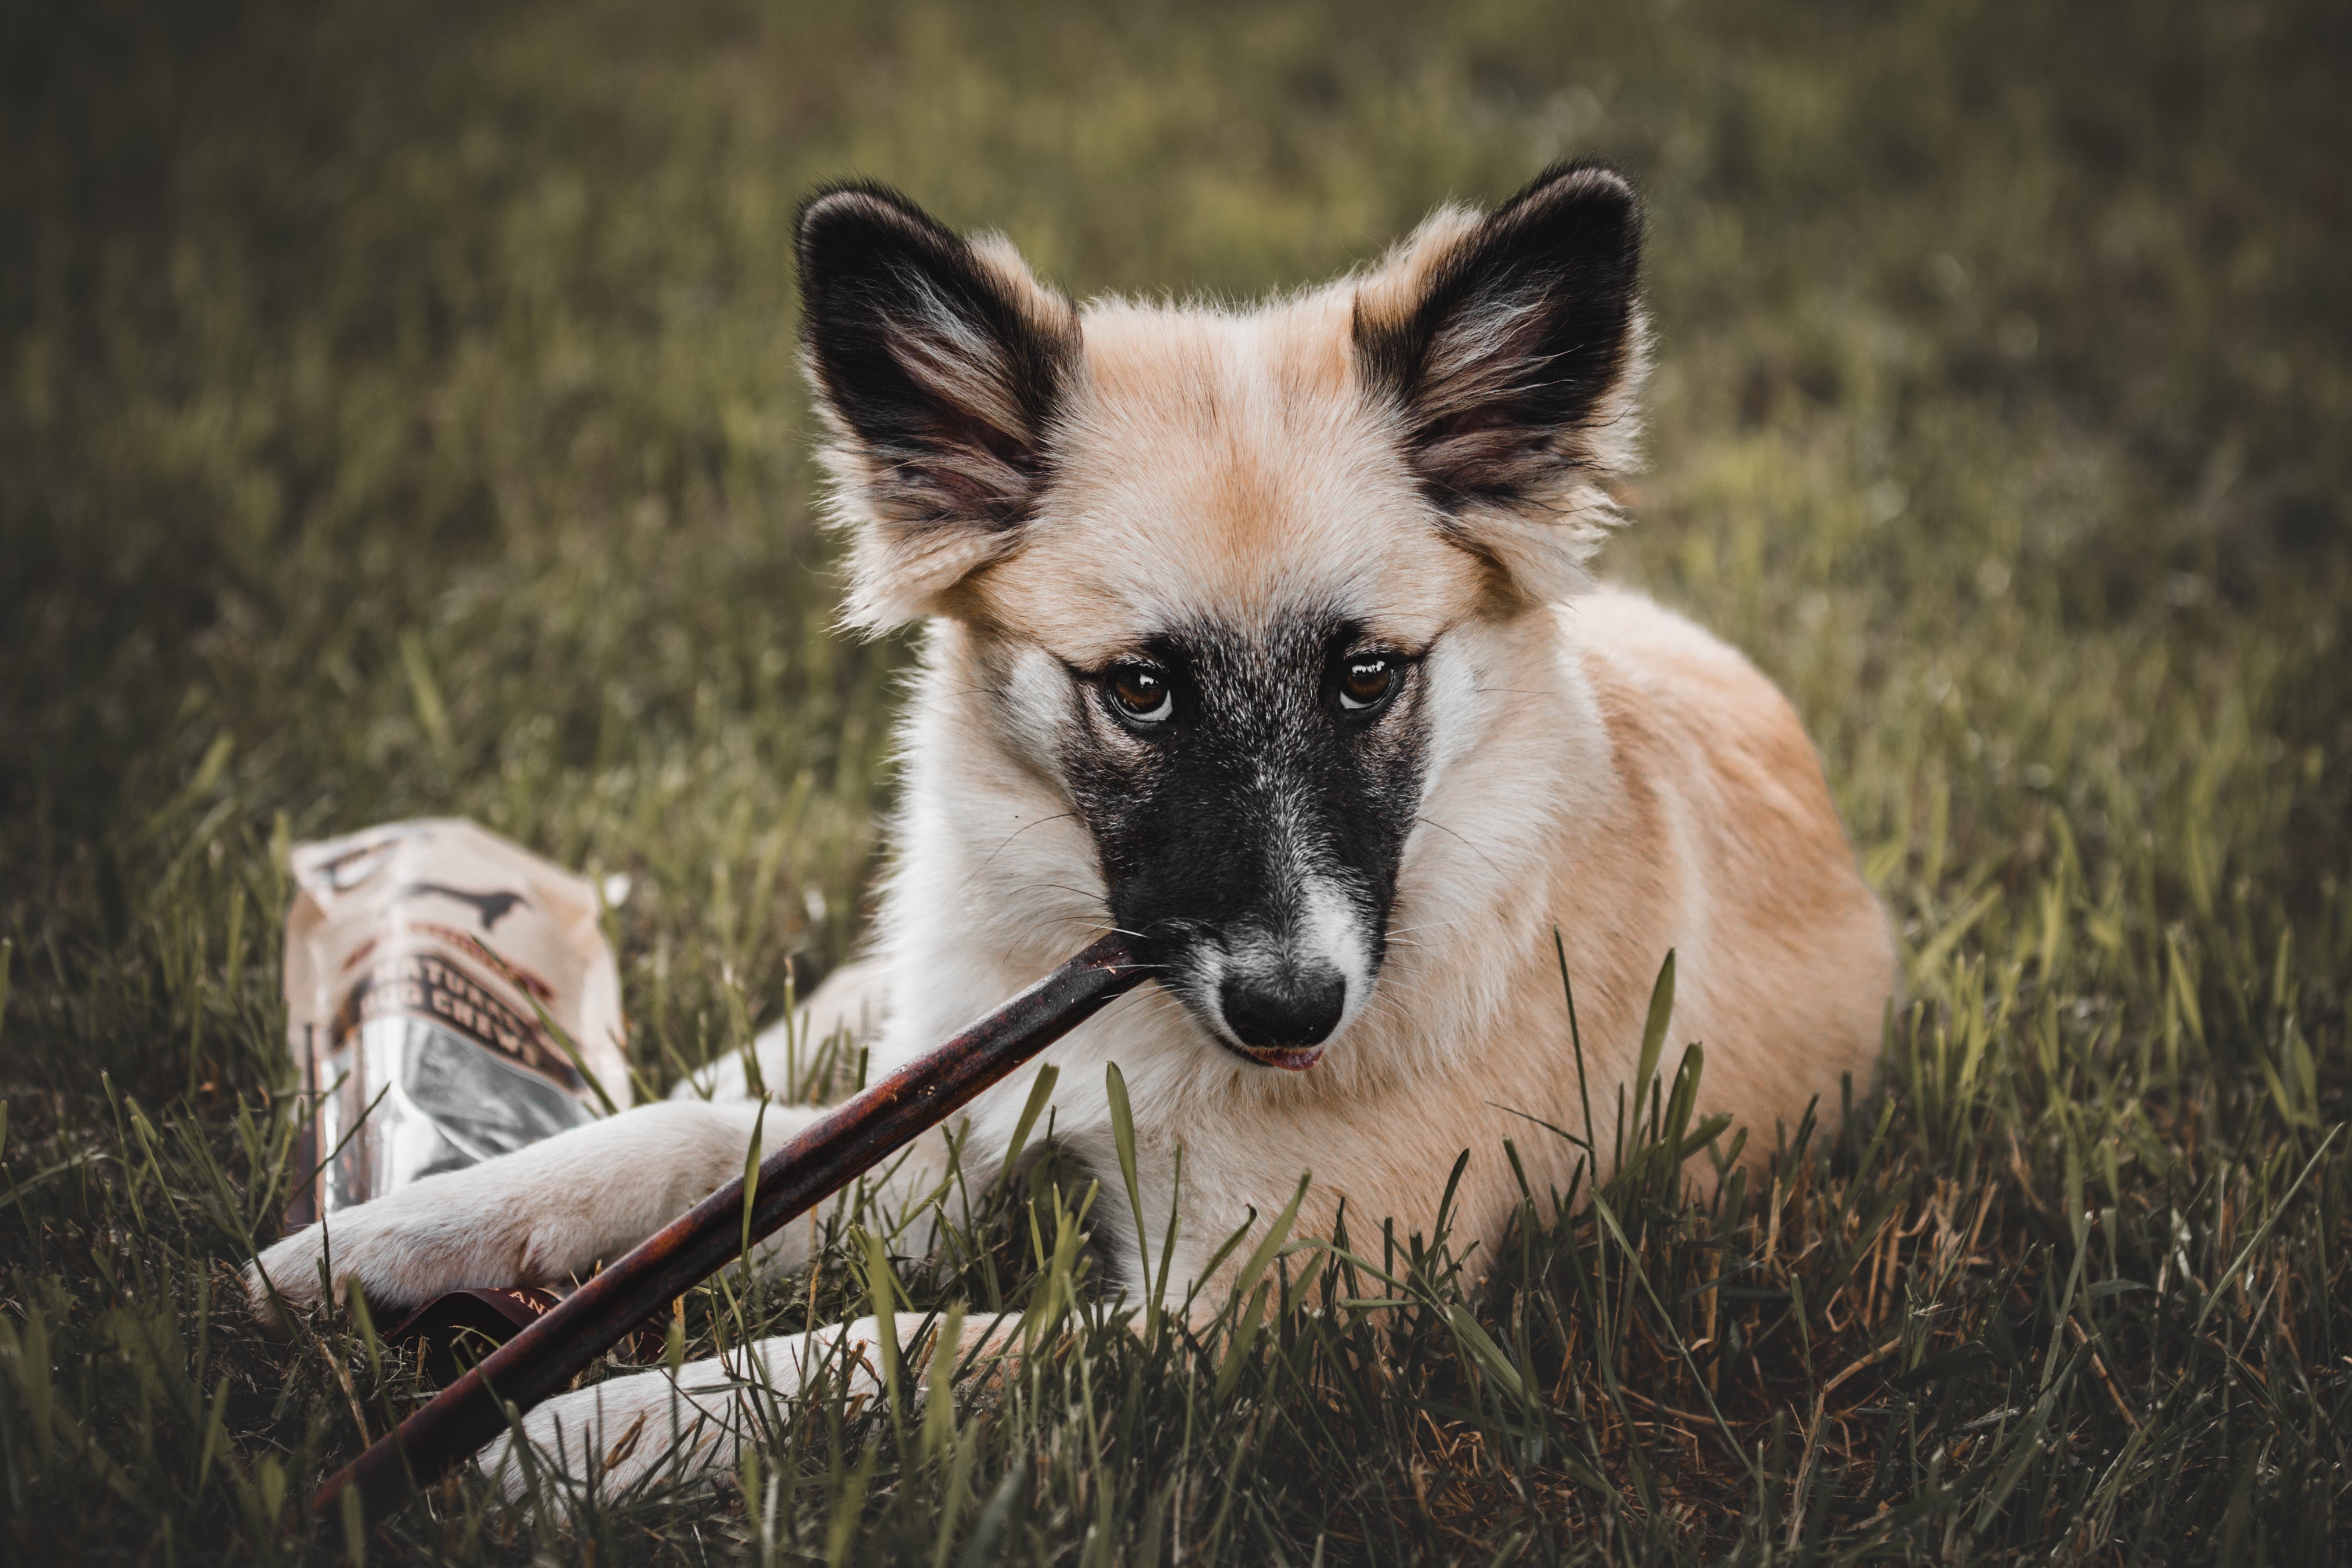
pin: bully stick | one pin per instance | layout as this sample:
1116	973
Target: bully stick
826	1157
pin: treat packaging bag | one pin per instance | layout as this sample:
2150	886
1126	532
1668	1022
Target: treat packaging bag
426	962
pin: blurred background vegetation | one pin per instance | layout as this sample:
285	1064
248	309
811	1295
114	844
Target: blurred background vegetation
398	415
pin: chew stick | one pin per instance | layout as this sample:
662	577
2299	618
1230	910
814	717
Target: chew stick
826	1157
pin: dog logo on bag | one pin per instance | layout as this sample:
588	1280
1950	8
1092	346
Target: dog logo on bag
492	907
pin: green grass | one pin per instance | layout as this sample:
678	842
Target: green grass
398	415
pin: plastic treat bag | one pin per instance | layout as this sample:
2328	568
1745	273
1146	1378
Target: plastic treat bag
425	961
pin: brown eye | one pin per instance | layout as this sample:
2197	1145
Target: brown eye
1141	694
1366	680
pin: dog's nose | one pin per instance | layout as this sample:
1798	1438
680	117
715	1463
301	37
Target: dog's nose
1284	1010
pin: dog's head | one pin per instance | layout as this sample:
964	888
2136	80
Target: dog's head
1210	565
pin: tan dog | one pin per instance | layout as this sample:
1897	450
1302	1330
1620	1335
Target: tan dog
1265	637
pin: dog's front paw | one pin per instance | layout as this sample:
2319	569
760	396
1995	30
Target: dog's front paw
399	1259
614	1436
626	1430
445	1233
540	1215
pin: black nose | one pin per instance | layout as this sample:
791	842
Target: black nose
1284	1010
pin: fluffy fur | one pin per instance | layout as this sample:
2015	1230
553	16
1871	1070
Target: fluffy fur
1395	481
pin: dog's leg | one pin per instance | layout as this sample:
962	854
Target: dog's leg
626	1429
541	1214
853	1000
653	1425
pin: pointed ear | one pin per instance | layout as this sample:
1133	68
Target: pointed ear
941	367
1510	347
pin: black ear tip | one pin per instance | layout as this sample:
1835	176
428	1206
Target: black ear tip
850	208
1586	210
1591	187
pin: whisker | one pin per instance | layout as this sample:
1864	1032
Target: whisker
1001	847
1474	848
1088	896
1399	990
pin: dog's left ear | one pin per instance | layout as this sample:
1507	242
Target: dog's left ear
1509	347
941	367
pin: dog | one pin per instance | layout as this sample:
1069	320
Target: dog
1266	638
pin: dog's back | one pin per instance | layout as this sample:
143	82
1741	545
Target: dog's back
1785	962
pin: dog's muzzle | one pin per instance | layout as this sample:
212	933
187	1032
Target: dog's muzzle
1281	1016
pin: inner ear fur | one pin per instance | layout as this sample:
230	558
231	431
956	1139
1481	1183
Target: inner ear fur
941	367
1509	348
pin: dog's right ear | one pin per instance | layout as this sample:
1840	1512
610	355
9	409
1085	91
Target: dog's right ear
941	367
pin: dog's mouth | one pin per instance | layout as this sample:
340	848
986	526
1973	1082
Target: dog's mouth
1282	1016
1289	1058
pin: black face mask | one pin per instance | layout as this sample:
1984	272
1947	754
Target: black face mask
1250	818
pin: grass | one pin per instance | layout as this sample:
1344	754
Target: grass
399	416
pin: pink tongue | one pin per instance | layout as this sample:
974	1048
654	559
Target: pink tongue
1297	1060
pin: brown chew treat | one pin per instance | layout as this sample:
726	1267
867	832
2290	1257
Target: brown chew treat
452	1331
826	1157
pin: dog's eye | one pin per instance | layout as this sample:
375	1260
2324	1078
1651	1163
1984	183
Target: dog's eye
1366	680
1141	694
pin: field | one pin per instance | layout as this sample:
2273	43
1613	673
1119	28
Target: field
398	415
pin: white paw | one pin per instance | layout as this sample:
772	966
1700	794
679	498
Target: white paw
541	1215
610	1439
445	1233
648	1426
